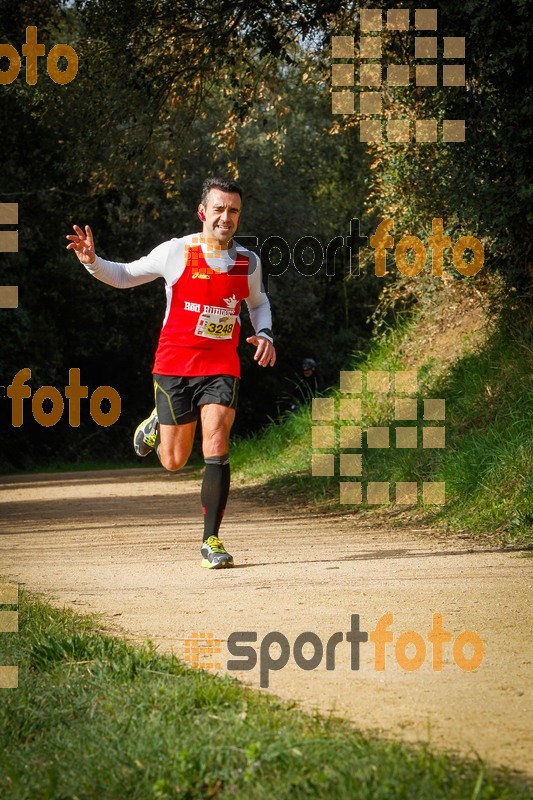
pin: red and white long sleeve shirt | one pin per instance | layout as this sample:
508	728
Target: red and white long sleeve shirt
204	289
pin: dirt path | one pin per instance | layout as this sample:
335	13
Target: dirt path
127	544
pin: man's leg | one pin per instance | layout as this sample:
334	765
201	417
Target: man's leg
216	426
175	444
170	428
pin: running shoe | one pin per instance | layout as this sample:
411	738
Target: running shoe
144	439
214	554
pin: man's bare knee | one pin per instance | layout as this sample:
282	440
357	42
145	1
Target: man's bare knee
216	444
170	462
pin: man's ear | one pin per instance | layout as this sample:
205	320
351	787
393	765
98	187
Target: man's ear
201	213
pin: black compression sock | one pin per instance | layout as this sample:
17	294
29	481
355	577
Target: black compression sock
214	493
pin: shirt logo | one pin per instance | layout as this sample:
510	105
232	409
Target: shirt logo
231	302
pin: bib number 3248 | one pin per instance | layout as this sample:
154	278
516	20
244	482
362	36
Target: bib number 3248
215	326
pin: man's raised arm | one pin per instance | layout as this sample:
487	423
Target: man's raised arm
122	276
83	244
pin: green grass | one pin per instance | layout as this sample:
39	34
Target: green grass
486	463
95	717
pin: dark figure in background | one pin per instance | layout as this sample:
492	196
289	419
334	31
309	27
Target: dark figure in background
309	383
305	385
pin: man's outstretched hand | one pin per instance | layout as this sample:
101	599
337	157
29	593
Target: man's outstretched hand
265	353
82	244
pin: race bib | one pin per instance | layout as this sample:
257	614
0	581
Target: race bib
215	326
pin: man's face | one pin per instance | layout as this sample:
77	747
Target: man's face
222	214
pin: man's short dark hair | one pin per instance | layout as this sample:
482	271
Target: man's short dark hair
223	184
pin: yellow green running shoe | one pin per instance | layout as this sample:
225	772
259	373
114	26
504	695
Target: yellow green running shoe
215	555
144	438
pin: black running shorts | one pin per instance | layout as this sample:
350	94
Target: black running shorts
178	400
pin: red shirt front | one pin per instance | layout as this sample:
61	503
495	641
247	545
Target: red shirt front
201	332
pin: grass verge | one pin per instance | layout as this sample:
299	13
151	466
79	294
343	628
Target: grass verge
95	717
487	458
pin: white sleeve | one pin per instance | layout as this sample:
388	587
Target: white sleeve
124	276
257	300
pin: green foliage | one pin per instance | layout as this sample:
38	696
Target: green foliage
486	463
480	187
96	717
162	98
167	92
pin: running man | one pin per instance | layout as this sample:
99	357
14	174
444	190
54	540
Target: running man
197	368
